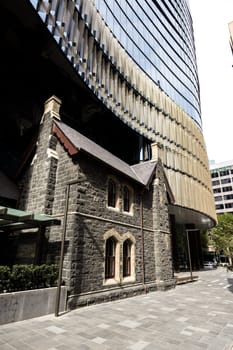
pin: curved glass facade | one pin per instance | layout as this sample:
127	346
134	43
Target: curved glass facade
138	58
158	35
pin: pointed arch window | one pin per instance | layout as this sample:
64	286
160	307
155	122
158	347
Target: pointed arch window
112	192
127	247
126	199
110	255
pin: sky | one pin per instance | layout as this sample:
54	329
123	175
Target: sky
215	60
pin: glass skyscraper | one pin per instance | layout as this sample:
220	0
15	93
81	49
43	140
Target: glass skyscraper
158	35
138	58
126	73
102	127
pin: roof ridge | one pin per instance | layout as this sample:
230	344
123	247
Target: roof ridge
83	143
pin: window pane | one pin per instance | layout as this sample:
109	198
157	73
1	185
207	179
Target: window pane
111	194
126	199
127	258
224	172
110	258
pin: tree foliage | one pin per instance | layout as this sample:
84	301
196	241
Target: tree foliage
222	235
204	240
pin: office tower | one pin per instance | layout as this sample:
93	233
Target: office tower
120	137
221	174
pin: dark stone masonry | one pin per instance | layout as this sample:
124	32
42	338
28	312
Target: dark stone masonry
140	233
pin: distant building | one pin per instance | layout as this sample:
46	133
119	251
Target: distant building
222	183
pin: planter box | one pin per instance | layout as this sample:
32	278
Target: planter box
26	304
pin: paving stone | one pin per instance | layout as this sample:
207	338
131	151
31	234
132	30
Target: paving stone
139	345
55	330
167	309
104	326
129	324
182	319
192	316
7	347
99	340
197	329
188	333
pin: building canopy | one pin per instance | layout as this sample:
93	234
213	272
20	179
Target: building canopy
14	220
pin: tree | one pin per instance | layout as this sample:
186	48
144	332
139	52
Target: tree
222	235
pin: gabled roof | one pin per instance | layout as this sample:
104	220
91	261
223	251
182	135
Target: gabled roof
145	171
75	142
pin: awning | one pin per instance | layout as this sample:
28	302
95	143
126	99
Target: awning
14	220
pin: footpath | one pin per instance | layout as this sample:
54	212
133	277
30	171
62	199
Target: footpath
192	316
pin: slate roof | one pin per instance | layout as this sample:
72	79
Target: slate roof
74	142
145	171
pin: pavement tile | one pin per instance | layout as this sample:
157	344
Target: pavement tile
129	324
194	316
194	346
140	345
172	341
161	345
19	344
220	344
98	340
7	347
55	329
168	309
103	326
197	329
184	332
182	319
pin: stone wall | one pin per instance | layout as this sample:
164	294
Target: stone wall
162	233
89	220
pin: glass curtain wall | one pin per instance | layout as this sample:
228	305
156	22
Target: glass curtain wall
158	35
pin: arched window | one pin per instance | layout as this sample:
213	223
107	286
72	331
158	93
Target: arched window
110	254
111	194
126	199
127	258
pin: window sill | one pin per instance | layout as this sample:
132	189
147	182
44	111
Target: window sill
111	281
129	213
128	279
116	209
